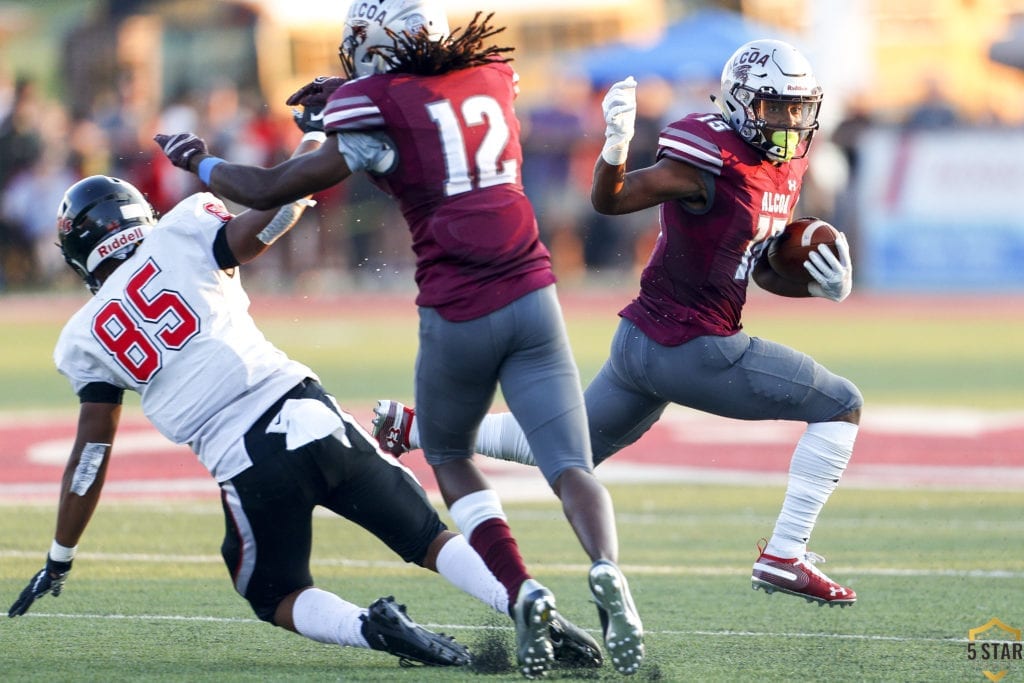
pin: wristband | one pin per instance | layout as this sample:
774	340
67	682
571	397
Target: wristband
62	553
315	136
206	167
615	154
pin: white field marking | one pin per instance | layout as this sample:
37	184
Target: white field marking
867	476
491	627
567	569
144	488
129	442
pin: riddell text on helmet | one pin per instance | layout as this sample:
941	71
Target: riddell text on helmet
121	239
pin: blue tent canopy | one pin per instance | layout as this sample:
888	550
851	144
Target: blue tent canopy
693	49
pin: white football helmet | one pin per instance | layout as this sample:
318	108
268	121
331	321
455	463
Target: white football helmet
771	98
367	26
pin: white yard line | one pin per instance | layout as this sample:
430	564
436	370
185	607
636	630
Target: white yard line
486	627
567	569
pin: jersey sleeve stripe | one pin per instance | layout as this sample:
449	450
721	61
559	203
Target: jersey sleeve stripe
690	149
353	113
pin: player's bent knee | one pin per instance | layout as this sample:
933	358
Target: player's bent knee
853	417
855	401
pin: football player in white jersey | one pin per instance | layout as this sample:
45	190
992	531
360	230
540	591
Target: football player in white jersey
169	319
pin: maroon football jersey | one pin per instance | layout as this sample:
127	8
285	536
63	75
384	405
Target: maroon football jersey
695	282
458	182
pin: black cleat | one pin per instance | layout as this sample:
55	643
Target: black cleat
574	648
387	627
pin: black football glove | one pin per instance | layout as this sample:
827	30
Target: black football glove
50	579
308	119
180	147
316	92
313	98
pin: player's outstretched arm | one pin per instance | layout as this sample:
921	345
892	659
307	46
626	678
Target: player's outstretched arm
251	232
268	188
80	493
256	187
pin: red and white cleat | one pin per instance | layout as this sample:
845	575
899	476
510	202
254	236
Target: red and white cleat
799	576
392	422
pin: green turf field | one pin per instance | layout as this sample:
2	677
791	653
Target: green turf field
965	354
149	598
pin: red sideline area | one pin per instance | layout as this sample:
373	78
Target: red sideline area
897	447
954	449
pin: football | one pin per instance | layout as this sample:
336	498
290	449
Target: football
789	249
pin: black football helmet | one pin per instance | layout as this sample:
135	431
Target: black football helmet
99	218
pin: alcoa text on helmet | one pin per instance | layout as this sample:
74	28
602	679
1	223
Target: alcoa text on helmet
367	40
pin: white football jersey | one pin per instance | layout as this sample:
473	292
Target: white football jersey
174	327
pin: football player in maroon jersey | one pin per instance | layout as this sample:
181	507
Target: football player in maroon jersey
429	115
726	183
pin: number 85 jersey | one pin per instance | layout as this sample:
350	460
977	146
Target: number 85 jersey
173	325
457	181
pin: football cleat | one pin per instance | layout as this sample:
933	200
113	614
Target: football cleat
574	648
533	614
620	622
800	577
387	627
392	422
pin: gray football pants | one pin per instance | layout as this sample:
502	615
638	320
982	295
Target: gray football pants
739	376
524	349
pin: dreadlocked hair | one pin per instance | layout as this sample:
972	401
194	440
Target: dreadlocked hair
463	48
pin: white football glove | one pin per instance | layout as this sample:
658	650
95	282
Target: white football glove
619	107
833	276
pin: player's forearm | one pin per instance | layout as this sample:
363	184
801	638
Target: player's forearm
770	281
257	188
268	188
80	494
606	190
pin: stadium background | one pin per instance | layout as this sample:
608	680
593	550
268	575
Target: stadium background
918	159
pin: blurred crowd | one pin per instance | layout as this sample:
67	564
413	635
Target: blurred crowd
355	237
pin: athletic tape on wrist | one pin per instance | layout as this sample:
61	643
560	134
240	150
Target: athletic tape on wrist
62	553
314	136
615	155
206	167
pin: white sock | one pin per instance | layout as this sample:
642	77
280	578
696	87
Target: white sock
818	462
475	508
464	569
326	618
500	437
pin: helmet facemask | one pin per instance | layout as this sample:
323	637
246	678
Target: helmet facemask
781	127
771	98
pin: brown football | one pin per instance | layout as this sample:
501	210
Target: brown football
789	249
